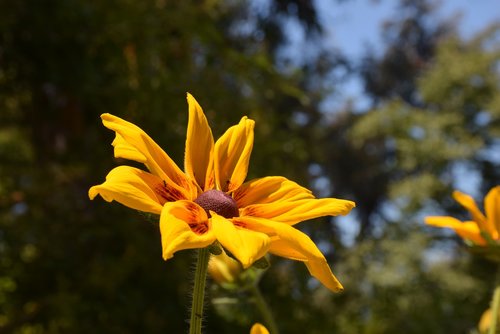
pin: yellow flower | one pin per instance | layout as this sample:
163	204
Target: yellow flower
485	321
480	224
210	202
258	329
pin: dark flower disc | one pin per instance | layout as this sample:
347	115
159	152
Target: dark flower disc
219	202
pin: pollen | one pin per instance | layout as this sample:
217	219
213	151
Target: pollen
218	202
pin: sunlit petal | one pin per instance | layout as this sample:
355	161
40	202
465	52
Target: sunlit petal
282	248
158	162
246	245
258	329
184	225
232	155
291	243
198	161
468	202
321	270
131	187
466	230
492	208
268	190
292	212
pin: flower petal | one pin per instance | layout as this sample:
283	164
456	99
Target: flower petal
291	243
258	329
126	151
269	189
131	187
184	225
468	202
292	212
492	207
466	230
246	245
157	161
198	161
282	248
232	155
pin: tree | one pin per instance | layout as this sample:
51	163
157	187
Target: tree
401	160
69	265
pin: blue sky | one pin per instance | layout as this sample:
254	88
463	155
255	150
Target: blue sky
352	25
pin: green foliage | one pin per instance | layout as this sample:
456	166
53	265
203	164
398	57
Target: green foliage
409	289
71	265
399	160
452	125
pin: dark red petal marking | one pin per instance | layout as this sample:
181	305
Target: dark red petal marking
239	223
199	228
251	211
168	193
239	194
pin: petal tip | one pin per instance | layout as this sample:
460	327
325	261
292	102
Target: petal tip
457	195
350	205
339	289
247	122
347	207
107	117
167	255
192	103
494	190
93	192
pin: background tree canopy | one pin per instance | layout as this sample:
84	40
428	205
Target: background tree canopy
68	265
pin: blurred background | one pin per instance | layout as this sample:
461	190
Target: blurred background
392	104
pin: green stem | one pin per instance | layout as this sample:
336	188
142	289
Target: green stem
199	291
264	310
495	304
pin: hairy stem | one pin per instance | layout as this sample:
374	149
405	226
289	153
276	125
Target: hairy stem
199	291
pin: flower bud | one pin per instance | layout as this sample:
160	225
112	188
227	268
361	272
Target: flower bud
223	268
258	329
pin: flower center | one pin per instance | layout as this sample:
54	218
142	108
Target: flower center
219	202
